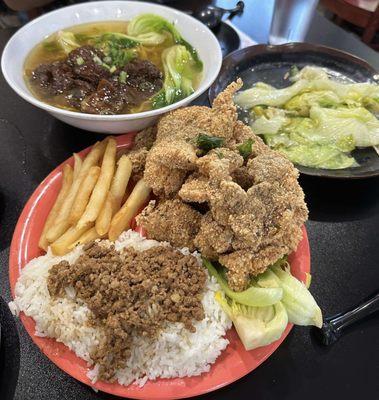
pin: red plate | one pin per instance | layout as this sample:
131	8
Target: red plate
234	362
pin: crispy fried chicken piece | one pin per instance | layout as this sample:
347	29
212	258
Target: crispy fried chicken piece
176	133
221	238
172	221
242	133
176	154
143	142
228	200
253	209
199	118
196	189
219	163
164	181
225	111
145	138
271	167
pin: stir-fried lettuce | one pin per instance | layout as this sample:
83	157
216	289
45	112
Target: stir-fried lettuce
261	317
315	122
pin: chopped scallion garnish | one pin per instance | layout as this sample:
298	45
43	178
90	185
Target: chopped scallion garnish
97	60
122	77
80	61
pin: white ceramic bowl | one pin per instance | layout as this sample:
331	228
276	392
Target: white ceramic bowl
26	38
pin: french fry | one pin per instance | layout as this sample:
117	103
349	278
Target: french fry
88	236
103	221
102	186
83	195
121	220
62	223
120	180
78	162
116	193
67	178
62	245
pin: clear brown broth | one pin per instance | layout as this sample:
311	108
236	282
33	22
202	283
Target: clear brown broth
40	55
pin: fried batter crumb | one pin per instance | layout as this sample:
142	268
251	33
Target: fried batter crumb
254	208
172	221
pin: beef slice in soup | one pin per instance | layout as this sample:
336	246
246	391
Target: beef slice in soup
90	86
86	63
129	87
54	78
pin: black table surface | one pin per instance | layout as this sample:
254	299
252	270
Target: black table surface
342	229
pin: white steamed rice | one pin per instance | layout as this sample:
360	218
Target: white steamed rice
176	353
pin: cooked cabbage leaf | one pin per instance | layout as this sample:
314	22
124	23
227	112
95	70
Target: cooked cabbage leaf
143	26
300	305
315	122
318	156
253	296
66	41
256	326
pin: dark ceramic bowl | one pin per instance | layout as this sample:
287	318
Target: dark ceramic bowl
270	64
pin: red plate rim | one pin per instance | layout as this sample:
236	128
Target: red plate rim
232	364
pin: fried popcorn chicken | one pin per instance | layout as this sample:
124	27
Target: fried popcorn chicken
245	212
143	142
222	238
172	221
196	189
164	181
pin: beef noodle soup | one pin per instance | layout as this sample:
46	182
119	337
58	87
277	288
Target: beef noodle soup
114	67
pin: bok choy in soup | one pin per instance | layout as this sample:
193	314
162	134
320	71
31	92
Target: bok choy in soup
114	67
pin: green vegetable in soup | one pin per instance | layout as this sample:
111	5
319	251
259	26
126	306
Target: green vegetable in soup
154	28
118	48
179	72
65	41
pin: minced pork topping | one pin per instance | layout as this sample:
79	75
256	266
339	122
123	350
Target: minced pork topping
131	293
